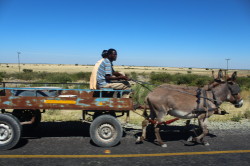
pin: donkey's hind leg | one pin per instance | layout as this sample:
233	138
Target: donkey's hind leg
158	136
144	131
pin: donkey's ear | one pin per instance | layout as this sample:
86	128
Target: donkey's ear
234	76
220	75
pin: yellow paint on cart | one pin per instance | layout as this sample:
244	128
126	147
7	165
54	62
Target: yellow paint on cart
60	101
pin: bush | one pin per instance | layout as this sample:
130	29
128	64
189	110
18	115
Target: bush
247	114
159	78
2	75
59	78
133	75
140	92
236	118
200	82
80	76
27	70
24	76
179	79
244	82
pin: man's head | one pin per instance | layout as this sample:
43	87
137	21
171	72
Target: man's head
112	54
105	53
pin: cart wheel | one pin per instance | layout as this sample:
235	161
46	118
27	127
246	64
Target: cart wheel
10	131
26	115
106	131
98	113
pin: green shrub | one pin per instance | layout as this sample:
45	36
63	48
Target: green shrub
81	76
247	114
59	78
133	75
244	82
2	75
186	79
236	118
200	82
24	76
27	70
179	79
140	92
159	78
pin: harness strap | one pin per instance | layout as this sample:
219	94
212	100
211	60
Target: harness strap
205	102
216	101
204	99
207	107
198	95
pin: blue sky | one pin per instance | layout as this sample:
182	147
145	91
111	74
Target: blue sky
171	33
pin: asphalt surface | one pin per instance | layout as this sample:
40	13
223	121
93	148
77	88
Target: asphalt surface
68	143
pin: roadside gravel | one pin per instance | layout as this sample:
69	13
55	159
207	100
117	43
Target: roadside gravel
227	127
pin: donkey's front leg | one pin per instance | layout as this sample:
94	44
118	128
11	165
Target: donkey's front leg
203	125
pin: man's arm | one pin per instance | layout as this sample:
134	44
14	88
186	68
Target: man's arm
114	77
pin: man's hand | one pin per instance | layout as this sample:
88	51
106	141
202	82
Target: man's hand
121	77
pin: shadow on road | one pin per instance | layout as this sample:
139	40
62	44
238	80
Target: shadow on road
53	129
174	133
81	129
56	129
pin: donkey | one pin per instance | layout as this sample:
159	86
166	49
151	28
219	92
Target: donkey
190	102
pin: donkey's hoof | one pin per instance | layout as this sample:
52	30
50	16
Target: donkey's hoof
164	145
190	139
138	140
206	144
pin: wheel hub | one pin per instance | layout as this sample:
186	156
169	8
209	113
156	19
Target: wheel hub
106	131
5	133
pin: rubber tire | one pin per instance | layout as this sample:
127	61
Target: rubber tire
110	121
13	123
18	113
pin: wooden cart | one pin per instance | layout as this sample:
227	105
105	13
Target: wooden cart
27	103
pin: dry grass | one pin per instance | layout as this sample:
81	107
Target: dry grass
61	115
12	68
45	68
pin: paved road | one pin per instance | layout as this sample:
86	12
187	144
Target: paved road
68	143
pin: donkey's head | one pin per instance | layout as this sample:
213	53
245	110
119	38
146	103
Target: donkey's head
227	89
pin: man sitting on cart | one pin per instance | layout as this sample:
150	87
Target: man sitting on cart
107	77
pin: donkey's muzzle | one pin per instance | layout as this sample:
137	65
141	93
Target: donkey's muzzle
239	104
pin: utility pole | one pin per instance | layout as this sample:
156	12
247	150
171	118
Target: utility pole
227	63
18	53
